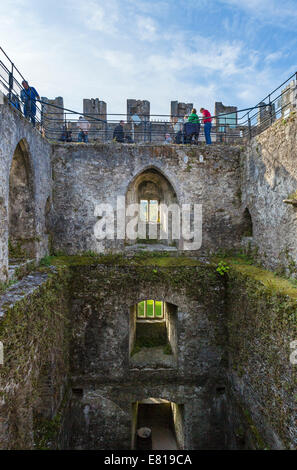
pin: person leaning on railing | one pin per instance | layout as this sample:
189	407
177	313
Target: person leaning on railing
84	127
177	125
28	97
66	135
118	133
192	127
207	124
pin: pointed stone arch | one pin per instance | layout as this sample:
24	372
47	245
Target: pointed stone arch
149	186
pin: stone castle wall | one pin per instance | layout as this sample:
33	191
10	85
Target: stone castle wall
232	378
269	176
15	129
84	176
34	376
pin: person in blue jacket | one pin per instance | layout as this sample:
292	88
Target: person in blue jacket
28	97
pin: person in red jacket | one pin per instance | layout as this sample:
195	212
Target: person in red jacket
207	124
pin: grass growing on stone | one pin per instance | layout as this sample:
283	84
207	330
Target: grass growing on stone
240	263
273	282
6	285
170	261
141	259
46	261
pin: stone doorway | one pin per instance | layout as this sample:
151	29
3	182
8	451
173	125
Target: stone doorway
164	426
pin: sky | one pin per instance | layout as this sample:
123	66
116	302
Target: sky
198	51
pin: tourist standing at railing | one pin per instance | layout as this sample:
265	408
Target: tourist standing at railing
66	135
192	127
118	133
207	124
178	126
28	97
84	127
168	139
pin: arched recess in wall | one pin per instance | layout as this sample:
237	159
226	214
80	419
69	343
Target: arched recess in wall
247	223
153	192
22	223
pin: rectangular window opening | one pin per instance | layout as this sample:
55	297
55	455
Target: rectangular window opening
149	210
150	309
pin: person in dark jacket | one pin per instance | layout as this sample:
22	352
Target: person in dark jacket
118	133
28	97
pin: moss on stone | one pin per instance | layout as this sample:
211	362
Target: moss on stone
33	331
46	432
141	259
259	306
292	196
275	284
262	320
257	438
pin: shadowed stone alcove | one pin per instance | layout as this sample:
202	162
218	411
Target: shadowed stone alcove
22	230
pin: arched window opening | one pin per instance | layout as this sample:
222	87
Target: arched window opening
149	211
153	193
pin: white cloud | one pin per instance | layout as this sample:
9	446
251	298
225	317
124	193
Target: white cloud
147	29
268	11
98	16
274	56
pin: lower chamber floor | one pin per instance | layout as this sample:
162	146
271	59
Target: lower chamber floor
159	419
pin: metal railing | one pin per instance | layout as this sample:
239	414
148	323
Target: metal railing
61	124
11	86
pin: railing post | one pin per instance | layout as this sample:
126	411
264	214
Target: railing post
270	110
150	131
10	82
106	131
144	131
250	128
294	104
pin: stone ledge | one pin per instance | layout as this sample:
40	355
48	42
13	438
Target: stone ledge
293	202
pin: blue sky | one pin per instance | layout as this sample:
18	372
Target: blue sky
198	51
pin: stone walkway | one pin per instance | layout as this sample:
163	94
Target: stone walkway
163	439
15	264
21	289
